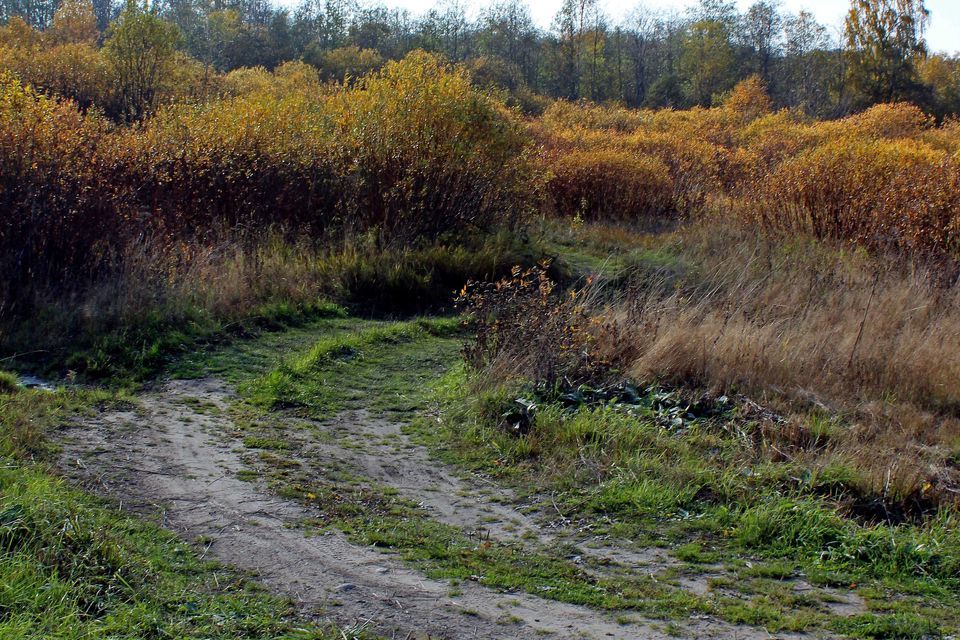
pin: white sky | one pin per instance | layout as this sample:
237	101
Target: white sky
943	33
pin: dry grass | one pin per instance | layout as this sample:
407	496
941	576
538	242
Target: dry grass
859	357
809	329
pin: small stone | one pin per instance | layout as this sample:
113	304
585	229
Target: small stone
346	586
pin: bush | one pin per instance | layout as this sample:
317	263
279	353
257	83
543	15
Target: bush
885	193
412	154
695	166
563	114
427	153
524	331
58	220
749	99
8	383
611	185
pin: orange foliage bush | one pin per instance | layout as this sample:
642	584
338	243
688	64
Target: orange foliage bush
898	194
749	99
610	185
57	217
412	152
901	120
565	115
887	177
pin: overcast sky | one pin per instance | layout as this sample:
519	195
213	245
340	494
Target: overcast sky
943	33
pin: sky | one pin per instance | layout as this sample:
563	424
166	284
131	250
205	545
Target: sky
943	32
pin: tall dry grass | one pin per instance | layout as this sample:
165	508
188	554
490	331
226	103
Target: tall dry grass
857	355
801	317
873	344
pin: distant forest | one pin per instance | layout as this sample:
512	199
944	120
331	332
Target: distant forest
647	58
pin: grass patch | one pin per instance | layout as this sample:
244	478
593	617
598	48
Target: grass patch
382	367
701	484
895	627
73	568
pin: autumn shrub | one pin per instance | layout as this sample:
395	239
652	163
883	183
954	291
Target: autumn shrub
882	193
425	152
892	121
58	220
695	166
774	138
610	185
344	64
526	330
414	152
749	99
75	71
253	160
563	114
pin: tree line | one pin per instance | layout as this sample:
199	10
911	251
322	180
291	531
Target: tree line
646	58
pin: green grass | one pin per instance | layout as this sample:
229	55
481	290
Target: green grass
701	489
73	568
8	382
383	367
135	353
895	627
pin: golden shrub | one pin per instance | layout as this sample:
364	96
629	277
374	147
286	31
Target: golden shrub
900	120
428	152
56	207
75	71
695	165
17	33
749	99
882	193
610	185
246	80
563	114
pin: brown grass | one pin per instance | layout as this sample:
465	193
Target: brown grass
811	330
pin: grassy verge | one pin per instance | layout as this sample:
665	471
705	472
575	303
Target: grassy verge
162	307
664	469
361	367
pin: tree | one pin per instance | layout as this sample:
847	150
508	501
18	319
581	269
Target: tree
73	23
345	62
942	74
885	40
141	48
641	40
104	10
507	32
762	25
36	13
594	50
707	61
570	26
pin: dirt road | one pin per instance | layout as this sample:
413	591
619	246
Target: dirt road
170	458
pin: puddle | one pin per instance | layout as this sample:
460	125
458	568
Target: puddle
33	382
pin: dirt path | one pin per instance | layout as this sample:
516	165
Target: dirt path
377	449
170	458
